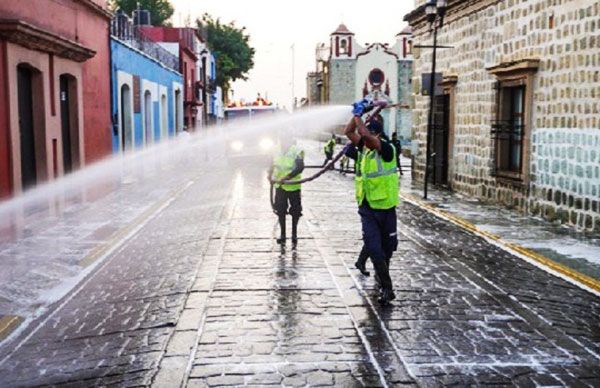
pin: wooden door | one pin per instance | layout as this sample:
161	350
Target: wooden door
26	127
441	128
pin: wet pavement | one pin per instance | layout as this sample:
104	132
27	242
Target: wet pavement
201	295
563	244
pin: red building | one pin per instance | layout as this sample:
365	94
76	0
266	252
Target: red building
54	89
185	43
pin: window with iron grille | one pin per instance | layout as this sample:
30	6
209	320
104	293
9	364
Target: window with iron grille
509	128
511	132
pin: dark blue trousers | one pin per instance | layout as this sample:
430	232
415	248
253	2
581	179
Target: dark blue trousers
380	239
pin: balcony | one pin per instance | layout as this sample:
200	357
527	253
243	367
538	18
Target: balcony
123	29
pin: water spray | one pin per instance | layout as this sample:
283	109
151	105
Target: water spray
378	107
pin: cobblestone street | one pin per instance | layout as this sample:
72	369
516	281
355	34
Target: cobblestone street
202	295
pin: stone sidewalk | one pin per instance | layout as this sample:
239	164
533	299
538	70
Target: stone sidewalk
202	296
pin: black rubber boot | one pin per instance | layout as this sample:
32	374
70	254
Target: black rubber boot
281	239
387	295
362	261
361	267
382	272
295	220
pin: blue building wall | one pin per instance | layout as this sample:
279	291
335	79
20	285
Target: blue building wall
129	60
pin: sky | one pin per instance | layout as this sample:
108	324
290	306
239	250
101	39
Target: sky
275	25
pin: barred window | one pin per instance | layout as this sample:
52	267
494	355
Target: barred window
509	128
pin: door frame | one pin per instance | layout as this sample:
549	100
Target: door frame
448	85
38	125
73	118
439	175
126	117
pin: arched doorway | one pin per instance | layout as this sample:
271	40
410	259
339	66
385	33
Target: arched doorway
126	130
148	117
164	131
69	122
178	125
32	134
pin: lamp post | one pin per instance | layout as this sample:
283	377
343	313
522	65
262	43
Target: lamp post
435	11
293	48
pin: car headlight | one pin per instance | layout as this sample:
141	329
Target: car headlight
237	145
266	144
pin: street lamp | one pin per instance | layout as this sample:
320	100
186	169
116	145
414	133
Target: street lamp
435	12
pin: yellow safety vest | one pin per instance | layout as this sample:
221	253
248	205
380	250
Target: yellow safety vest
283	164
377	180
329	146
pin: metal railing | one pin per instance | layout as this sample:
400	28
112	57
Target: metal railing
123	29
507	146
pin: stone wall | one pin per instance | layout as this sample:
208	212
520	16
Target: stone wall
566	166
312	91
342	73
565	117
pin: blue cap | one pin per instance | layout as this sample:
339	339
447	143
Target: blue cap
375	126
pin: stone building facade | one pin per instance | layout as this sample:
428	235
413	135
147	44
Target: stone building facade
347	71
518	107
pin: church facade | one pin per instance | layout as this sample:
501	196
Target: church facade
347	71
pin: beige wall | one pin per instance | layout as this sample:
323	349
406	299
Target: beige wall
46	124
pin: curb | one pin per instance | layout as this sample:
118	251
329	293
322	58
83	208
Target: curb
575	277
8	324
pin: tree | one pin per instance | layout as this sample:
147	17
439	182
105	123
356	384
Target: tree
231	47
160	10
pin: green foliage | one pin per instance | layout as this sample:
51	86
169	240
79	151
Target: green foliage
160	10
232	50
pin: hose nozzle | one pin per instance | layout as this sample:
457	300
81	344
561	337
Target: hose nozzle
380	103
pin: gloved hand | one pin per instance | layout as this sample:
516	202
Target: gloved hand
347	148
358	108
368	104
361	107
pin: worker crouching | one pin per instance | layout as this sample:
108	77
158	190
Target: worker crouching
287	165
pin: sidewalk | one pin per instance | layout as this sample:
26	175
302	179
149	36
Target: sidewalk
559	243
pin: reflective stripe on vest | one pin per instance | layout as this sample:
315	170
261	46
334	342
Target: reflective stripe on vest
376	180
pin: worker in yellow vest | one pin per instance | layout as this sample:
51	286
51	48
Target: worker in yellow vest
328	149
376	187
288	164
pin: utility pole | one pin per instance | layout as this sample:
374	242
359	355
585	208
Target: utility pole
430	117
435	11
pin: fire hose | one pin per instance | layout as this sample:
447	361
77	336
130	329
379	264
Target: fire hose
328	166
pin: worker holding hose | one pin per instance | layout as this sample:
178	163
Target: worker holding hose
328	150
288	164
376	185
